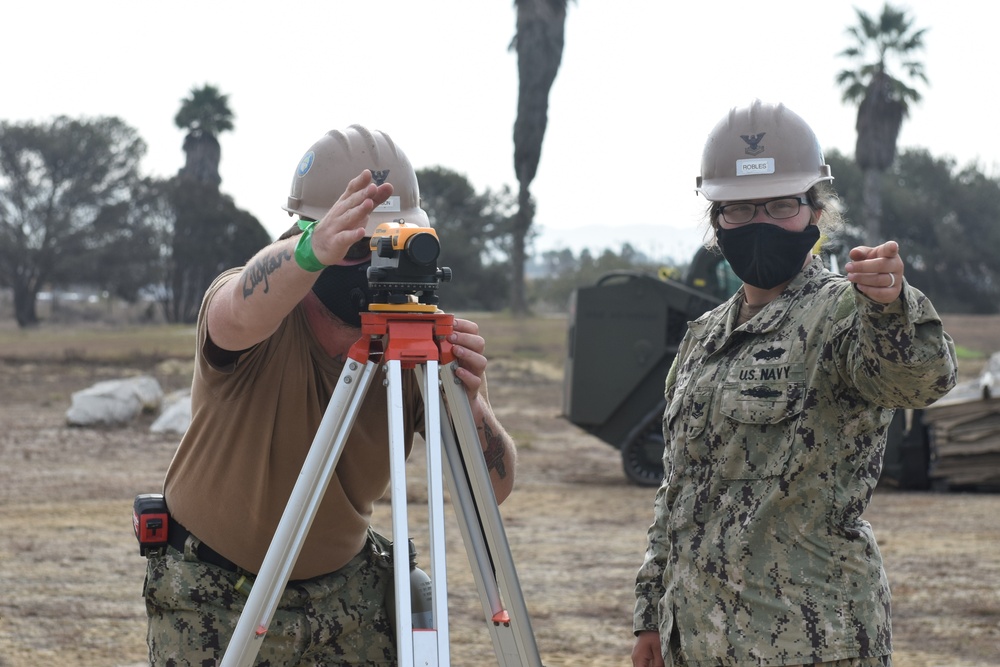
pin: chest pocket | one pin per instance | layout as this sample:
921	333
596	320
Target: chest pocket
763	417
685	419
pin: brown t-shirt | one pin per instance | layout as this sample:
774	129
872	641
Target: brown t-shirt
251	428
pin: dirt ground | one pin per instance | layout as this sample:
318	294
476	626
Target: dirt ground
71	575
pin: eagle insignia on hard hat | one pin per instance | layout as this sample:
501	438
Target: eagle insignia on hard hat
752	143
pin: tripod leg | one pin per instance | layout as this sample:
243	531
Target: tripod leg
435	500
290	535
483	533
423	646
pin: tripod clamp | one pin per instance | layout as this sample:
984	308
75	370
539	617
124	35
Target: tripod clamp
413	337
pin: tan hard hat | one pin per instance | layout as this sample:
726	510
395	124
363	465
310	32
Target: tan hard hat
762	150
329	165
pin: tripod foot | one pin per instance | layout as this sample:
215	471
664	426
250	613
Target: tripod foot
501	618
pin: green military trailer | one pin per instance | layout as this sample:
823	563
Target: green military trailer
623	334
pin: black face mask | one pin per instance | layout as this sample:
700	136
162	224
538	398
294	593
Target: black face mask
765	255
344	291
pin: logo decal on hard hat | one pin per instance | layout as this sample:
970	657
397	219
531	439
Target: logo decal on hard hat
306	163
752	141
379	176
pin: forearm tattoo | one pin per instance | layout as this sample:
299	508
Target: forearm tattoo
258	272
495	450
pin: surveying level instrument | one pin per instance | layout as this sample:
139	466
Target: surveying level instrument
397	334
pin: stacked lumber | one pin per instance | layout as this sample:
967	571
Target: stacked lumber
965	443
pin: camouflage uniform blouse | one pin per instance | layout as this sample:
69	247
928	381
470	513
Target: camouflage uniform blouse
775	432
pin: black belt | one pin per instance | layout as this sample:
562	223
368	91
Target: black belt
176	537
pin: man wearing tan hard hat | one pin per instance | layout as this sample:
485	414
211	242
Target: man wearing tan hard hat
273	337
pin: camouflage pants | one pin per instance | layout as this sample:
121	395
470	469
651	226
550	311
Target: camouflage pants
674	658
336	619
881	661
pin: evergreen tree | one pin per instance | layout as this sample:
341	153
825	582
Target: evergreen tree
65	192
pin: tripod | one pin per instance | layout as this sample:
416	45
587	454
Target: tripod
418	341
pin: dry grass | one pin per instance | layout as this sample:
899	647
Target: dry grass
70	574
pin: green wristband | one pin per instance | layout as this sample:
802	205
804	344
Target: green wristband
304	255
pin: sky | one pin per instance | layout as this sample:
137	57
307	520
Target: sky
641	84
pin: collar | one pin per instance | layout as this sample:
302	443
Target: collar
715	328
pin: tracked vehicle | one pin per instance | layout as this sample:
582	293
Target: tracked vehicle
623	334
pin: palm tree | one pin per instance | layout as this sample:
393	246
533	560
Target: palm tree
202	213
205	114
539	45
883	99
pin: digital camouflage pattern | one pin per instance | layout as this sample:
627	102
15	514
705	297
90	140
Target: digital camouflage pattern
336	619
775	432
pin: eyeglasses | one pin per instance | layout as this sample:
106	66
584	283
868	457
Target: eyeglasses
779	209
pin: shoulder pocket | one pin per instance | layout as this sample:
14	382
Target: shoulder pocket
687	414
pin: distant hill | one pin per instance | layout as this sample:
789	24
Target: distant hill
662	243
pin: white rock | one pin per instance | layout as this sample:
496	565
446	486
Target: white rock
989	381
176	414
114	401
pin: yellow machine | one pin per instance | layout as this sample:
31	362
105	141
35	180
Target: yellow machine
404	274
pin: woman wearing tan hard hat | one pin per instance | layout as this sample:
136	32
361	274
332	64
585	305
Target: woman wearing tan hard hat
777	407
